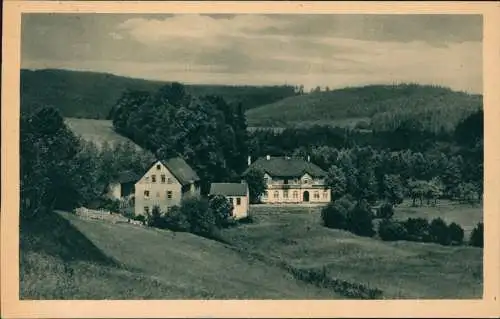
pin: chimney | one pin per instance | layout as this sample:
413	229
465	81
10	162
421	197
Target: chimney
308	158
249	160
268	157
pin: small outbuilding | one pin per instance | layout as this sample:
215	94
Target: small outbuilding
236	193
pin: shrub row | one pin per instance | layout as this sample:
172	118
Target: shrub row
354	217
347	289
199	216
420	230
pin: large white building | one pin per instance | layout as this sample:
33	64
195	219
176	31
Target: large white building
292	180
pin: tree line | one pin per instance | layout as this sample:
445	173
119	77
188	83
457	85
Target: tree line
210	134
61	171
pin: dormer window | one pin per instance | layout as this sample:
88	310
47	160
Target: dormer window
158	166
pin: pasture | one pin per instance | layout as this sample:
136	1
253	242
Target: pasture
85	259
97	131
295	236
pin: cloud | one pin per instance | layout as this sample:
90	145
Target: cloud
333	50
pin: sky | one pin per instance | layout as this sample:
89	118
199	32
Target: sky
297	49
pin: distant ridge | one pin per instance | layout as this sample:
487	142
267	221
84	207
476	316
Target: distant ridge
91	95
384	105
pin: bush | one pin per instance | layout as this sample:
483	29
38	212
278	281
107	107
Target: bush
392	230
176	220
155	218
386	211
439	232
477	236
222	209
336	214
456	233
199	216
360	220
417	229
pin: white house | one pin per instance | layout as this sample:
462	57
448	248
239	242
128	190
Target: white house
237	193
292	180
164	185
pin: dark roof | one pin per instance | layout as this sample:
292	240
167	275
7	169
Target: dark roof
229	189
181	170
127	177
287	167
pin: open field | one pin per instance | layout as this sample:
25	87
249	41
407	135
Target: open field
294	236
97	131
80	259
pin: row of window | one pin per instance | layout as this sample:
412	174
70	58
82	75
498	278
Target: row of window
286	181
146	194
238	201
295	194
163	179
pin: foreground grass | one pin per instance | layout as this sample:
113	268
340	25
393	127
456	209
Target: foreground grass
296	238
66	257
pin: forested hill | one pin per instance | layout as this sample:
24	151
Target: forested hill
92	95
386	105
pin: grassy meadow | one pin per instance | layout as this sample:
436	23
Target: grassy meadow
294	236
81	259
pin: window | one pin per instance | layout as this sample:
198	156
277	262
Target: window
285	182
276	194
306	180
157	194
169	194
285	194
158	166
163	178
265	194
146	194
153	178
325	194
295	194
146	209
169	180
266	180
238	201
316	195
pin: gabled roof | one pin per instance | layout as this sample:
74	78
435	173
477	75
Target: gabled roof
127	177
229	189
181	170
287	167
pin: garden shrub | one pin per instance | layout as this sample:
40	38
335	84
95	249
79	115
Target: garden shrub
222	210
456	233
417	229
439	232
176	220
336	214
386	211
360	220
390	230
477	236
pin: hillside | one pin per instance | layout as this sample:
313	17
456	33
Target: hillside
385	105
65	257
97	131
92	95
294	236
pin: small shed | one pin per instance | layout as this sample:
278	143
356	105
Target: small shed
237	193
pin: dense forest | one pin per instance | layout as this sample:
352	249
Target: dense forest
92	95
386	107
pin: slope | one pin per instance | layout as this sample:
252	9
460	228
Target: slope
70	258
92	95
386	105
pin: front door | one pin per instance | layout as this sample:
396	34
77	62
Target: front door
306	196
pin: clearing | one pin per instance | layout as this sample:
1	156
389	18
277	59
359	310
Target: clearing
294	236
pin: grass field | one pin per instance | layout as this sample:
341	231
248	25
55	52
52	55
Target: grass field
97	131
399	269
65	257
